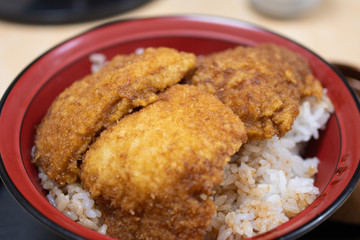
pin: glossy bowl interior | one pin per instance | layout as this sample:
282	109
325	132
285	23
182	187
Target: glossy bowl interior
29	96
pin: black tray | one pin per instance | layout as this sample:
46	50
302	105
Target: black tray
63	11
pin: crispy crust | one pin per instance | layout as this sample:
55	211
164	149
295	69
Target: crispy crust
97	101
157	167
263	85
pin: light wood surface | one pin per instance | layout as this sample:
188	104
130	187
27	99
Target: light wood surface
331	30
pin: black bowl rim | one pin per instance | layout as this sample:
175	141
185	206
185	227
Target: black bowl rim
17	195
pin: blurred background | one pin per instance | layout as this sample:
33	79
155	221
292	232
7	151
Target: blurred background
330	28
28	28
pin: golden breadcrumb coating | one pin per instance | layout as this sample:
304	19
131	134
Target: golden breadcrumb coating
95	102
263	85
153	172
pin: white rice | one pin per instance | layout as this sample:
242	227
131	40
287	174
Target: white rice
74	202
264	185
268	182
97	60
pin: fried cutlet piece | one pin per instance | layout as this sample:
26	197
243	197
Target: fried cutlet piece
263	85
94	103
153	172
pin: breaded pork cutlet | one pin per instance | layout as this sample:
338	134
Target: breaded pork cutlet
263	85
152	173
97	101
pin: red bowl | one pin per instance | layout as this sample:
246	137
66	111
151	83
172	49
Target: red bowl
31	93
